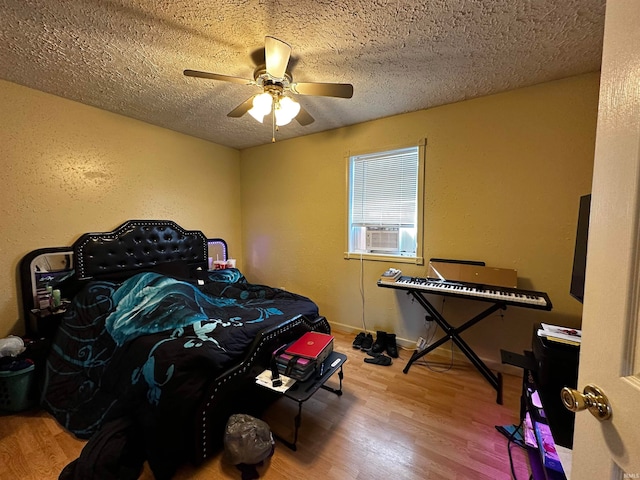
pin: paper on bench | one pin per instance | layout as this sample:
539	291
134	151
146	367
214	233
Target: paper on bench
264	379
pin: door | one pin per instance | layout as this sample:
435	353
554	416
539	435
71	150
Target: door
610	352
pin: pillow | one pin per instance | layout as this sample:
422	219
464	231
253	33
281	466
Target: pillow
226	275
177	269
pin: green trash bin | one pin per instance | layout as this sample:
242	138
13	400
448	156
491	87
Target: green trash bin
15	389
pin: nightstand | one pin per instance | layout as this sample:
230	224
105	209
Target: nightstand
43	323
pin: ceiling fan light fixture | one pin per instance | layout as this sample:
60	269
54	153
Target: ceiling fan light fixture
259	117
261	106
275	81
286	110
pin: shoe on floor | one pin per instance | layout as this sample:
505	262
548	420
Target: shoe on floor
379	360
391	346
357	342
381	342
367	342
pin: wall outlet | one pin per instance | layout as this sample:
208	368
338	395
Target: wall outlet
421	344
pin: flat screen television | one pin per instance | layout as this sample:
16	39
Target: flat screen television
580	252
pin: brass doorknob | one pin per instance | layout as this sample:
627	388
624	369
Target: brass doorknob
592	398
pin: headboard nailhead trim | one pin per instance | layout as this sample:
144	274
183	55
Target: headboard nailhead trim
128	249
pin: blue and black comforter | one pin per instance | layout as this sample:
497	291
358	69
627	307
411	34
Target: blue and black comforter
146	348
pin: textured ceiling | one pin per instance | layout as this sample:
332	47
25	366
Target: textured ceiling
127	56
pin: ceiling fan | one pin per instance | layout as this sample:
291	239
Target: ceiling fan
277	86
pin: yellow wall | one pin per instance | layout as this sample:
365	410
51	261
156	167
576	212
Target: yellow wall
503	178
66	169
504	174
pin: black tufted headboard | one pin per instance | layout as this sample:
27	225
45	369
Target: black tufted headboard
139	244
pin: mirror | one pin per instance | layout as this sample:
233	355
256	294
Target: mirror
52	262
217	250
42	268
48	271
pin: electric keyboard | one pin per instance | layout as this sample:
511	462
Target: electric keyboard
487	293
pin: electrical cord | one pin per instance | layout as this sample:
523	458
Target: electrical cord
364	325
428	342
430	339
510	442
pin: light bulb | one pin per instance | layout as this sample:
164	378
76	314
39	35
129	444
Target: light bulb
286	110
290	106
254	113
261	106
263	103
281	118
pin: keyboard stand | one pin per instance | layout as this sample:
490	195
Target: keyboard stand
453	334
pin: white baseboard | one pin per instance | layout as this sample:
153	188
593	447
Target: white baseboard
411	345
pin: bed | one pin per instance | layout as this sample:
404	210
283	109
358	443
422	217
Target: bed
154	351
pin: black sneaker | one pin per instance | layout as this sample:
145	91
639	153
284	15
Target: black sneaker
357	343
367	342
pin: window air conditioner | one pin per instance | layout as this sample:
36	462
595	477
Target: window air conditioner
383	239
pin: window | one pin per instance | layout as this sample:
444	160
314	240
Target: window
385	204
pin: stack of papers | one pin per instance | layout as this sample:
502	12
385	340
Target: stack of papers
265	380
570	336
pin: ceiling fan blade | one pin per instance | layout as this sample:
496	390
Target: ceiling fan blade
215	76
340	90
277	55
303	117
241	109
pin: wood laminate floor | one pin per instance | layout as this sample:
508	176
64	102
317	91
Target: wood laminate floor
436	422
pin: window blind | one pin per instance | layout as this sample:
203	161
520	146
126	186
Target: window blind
385	188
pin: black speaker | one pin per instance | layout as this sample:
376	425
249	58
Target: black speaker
556	367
